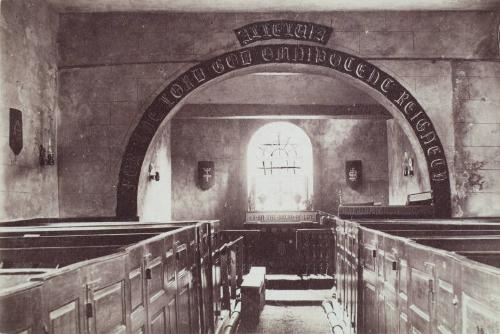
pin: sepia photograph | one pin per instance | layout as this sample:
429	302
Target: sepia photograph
250	166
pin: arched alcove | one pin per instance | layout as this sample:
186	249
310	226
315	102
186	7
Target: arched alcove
295	58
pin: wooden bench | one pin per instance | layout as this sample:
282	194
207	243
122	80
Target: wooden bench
49	247
253	293
482	248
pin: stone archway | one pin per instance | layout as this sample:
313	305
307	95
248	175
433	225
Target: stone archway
394	95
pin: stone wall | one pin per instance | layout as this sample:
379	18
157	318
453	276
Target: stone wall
225	142
117	38
111	64
28	77
476	112
99	107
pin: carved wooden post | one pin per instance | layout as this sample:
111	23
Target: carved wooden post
224	266
232	268
240	260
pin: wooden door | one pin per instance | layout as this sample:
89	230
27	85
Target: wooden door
105	307
448	277
389	283
206	305
422	287
369	293
187	317
136	296
63	298
160	287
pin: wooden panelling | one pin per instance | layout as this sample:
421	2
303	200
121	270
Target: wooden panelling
140	331
420	294
158	323
154	270
370	316
65	319
18	313
184	310
136	289
109	307
172	316
170	265
478	317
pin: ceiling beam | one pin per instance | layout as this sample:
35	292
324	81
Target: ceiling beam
261	111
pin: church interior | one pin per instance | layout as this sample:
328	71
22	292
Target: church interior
249	167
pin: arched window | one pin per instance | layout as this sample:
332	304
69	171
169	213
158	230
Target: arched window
279	169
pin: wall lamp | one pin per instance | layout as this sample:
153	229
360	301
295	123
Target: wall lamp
153	175
46	156
407	165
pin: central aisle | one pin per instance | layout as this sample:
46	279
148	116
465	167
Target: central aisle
288	320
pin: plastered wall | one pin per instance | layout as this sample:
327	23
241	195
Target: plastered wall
28	82
225	142
476	117
400	186
112	63
154	202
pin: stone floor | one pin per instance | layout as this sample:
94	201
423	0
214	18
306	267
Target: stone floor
288	320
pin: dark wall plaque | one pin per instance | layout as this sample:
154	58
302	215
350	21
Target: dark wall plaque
16	130
206	174
283	29
353	173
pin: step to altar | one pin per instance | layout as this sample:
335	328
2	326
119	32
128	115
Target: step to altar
297	282
297	297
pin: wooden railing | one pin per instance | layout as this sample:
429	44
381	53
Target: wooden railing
316	248
230	257
303	252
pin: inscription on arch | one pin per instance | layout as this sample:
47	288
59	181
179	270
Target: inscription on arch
283	29
290	54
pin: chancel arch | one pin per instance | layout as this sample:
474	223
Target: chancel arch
289	57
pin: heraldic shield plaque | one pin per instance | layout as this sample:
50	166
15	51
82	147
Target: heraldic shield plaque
16	130
353	173
206	174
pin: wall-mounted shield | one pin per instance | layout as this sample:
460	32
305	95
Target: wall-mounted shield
353	173
206	175
16	131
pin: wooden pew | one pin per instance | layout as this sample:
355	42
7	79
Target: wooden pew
154	285
407	285
51	248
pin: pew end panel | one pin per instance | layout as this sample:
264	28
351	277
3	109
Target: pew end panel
20	310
